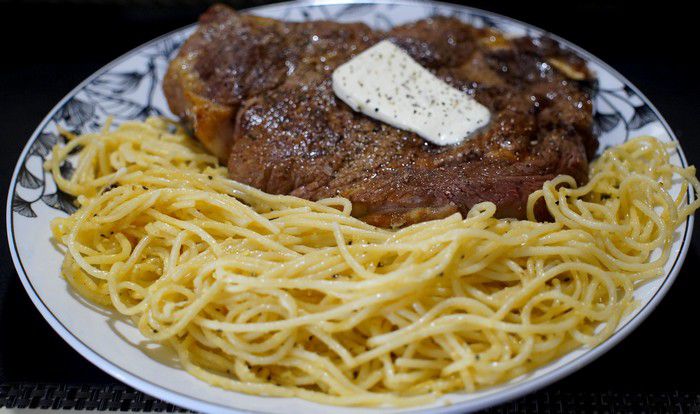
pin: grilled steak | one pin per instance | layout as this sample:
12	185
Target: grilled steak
257	92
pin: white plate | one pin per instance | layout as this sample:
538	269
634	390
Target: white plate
129	88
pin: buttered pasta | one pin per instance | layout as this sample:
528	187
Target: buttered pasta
280	296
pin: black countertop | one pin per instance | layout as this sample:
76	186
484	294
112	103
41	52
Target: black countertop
49	47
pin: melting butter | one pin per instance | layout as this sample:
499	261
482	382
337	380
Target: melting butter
385	83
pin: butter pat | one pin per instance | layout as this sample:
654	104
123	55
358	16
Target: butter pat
385	83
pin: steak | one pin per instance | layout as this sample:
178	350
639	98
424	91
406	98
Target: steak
257	93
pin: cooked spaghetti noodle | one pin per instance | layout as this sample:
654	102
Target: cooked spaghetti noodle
280	296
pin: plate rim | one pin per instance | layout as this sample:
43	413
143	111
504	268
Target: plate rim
515	390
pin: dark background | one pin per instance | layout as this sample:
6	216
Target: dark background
49	47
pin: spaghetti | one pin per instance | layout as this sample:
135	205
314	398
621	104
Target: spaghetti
280	296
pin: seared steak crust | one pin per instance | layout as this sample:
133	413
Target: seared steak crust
257	92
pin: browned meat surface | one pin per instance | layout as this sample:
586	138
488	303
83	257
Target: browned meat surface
257	92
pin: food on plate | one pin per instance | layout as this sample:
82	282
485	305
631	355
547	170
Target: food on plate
258	93
385	83
277	295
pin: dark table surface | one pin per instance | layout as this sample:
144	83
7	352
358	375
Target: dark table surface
49	47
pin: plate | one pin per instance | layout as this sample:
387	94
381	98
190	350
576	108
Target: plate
130	88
